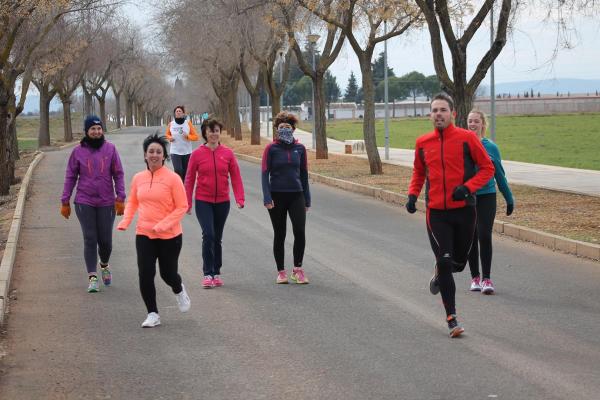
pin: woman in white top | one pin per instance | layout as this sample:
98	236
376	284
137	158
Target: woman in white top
181	133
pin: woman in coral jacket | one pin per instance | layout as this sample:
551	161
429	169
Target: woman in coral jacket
181	133
158	196
95	168
209	170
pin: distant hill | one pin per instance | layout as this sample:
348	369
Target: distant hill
550	86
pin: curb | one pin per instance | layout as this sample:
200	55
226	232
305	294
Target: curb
10	251
548	240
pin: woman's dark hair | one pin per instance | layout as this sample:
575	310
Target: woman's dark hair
287	118
182	109
210	123
155	138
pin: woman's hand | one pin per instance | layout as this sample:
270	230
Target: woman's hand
270	205
240	205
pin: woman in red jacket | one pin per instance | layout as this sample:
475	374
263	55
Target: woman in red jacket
209	169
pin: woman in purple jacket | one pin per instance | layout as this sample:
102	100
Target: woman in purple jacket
95	167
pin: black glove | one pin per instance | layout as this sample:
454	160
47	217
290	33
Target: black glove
460	193
510	208
411	205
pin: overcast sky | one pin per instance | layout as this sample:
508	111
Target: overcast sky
525	57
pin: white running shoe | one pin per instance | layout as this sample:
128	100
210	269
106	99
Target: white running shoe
487	287
183	300
475	284
152	320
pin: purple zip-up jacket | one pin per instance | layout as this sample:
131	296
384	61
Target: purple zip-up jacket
94	170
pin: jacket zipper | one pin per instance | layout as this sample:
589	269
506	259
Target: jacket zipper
289	153
443	169
215	165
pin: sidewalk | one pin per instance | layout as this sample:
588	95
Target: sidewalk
572	180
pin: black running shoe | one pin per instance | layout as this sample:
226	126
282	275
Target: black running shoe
434	284
454	327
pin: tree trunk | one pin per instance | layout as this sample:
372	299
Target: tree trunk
463	103
102	101
369	117
68	128
235	115
118	108
320	119
128	112
255	131
44	131
88	103
5	169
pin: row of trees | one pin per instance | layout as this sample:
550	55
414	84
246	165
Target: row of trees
241	44
65	46
68	45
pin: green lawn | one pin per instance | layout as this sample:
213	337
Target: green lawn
566	140
28	128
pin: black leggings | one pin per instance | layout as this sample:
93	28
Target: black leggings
450	233
486	213
167	253
292	203
180	164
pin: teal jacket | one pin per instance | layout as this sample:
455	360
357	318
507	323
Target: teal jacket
499	176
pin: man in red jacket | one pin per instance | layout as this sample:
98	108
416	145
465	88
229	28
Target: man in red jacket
453	164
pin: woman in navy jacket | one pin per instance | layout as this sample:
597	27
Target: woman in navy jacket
286	191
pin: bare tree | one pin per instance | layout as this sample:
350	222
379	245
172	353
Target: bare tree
25	25
333	44
442	17
362	23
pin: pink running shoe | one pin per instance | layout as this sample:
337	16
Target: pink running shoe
487	287
475	284
208	282
217	281
298	276
282	277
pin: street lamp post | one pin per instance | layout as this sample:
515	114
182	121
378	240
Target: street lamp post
281	62
385	95
313	38
492	83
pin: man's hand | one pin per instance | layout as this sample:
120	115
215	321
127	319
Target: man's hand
460	193
411	204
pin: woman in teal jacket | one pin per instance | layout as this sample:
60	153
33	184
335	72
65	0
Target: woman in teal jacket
486	209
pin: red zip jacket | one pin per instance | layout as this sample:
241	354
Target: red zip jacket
446	160
209	170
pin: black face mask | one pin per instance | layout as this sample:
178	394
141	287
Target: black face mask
93	143
180	120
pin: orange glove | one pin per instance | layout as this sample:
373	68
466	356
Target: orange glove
65	210
120	207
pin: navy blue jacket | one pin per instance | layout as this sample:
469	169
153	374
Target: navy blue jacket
285	169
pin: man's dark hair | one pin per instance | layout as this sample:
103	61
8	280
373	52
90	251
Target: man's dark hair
182	109
155	138
446	98
210	123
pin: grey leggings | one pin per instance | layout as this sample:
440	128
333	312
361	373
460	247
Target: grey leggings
96	225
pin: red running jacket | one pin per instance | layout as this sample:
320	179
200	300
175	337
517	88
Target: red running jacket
209	171
447	159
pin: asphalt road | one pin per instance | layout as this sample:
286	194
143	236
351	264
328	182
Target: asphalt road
365	328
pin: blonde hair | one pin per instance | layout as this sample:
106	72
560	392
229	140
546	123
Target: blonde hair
483	118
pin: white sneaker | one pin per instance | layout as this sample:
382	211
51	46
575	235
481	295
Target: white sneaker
476	284
152	320
183	300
